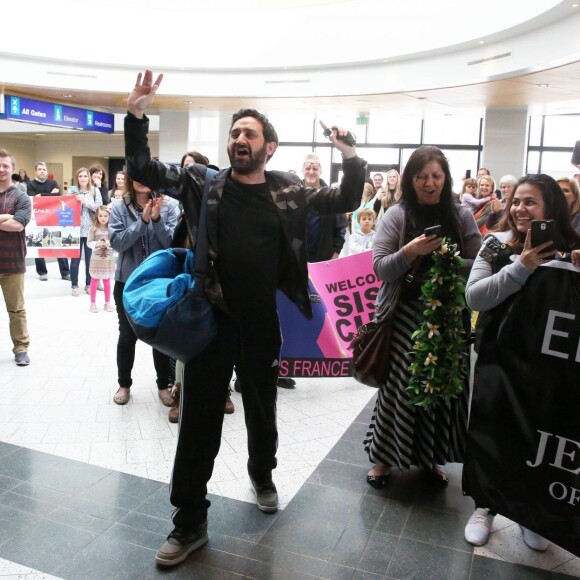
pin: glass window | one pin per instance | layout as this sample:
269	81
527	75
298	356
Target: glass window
389	128
536	130
533	162
557	164
289	157
293	126
376	155
447	128
561	130
459	162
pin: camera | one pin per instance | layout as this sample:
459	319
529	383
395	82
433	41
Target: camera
349	138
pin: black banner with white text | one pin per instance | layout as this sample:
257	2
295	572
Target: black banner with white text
522	457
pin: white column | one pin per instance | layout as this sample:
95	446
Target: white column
505	141
198	130
225	121
173	133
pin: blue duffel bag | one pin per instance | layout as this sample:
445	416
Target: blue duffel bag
164	307
164	297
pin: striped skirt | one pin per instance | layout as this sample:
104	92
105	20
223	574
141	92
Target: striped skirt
401	435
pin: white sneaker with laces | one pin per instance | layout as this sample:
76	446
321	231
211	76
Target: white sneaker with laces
534	541
478	527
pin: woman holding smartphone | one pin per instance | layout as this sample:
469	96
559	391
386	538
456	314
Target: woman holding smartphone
400	434
507	259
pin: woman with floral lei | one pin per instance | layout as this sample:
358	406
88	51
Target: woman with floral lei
401	433
504	264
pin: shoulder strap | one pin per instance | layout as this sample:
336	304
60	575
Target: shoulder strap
201	246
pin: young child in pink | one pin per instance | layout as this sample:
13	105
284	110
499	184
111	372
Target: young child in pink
102	265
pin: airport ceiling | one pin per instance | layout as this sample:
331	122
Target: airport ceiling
552	91
307	55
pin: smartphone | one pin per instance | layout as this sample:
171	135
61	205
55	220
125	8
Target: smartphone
576	154
433	231
542	231
467	173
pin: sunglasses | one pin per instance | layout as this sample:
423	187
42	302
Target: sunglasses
315	166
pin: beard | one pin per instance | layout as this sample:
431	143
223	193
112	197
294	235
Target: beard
248	164
312	182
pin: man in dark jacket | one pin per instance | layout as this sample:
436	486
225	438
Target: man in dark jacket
256	228
42	185
325	232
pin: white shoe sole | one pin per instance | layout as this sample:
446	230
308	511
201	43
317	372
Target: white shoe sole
159	558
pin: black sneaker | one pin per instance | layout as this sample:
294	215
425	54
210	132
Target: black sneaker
180	543
22	359
266	495
286	383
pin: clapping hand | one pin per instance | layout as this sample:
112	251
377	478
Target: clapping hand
146	215
156	209
143	93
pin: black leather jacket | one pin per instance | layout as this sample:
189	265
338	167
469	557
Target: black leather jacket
292	199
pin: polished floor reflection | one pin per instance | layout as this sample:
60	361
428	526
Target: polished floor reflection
83	482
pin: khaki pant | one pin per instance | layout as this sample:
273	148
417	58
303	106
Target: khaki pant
13	289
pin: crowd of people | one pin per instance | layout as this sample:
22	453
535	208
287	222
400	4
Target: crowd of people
264	227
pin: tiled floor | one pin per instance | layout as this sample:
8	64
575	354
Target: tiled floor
83	482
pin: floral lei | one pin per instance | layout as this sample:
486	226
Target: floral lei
438	369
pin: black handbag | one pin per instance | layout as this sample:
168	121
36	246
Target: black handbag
371	349
371	345
183	327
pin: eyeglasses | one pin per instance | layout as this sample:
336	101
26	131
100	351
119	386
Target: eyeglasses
315	166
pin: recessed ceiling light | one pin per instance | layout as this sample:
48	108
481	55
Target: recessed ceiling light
188	102
67	96
482	42
385	60
574	5
542	85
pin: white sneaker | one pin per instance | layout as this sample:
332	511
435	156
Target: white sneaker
534	541
478	527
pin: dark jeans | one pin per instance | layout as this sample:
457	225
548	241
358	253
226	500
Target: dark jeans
75	264
62	266
126	348
255	355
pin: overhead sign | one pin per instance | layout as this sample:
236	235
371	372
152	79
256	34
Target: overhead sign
57	115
